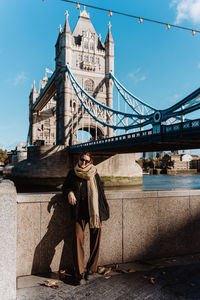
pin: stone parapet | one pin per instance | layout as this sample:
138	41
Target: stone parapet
8	198
142	225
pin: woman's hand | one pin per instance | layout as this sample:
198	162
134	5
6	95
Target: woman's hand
71	198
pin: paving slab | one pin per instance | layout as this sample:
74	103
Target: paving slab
168	278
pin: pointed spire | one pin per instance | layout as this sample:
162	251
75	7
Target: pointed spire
109	37
33	87
84	13
60	28
66	28
59	34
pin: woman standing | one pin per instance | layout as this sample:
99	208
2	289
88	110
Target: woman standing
85	194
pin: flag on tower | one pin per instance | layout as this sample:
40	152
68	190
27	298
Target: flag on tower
48	71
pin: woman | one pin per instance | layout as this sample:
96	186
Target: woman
85	194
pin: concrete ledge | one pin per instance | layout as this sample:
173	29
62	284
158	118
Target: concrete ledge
8	197
142	225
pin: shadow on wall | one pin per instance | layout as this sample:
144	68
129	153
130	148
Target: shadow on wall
60	228
171	234
175	241
175	231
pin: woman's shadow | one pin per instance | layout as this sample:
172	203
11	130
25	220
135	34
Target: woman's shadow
60	228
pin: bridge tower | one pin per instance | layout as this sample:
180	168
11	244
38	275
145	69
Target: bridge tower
90	60
56	114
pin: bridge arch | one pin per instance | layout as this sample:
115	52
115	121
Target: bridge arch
95	131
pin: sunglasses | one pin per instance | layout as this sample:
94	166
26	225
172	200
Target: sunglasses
85	160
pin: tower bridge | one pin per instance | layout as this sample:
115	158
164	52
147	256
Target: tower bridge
91	61
84	94
79	96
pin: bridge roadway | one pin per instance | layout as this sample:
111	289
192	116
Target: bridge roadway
181	136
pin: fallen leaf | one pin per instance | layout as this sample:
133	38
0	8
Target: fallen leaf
131	271
62	271
101	270
108	271
152	280
55	286
50	283
107	277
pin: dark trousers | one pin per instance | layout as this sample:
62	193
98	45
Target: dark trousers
95	236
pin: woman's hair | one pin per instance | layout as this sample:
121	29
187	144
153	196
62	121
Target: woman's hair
88	154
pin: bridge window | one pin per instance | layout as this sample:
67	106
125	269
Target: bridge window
46	123
89	85
91	45
85	44
86	58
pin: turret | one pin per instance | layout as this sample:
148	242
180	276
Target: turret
109	67
32	98
109	48
64	44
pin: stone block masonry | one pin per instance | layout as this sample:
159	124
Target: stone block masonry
8	198
142	225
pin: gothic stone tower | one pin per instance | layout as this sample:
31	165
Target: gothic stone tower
56	114
90	61
42	123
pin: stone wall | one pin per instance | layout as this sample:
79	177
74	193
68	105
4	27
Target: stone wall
143	225
8	198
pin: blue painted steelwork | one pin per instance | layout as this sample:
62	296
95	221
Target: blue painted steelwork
106	115
140	107
42	91
137	105
143	114
166	134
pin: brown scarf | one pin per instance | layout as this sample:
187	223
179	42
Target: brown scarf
88	173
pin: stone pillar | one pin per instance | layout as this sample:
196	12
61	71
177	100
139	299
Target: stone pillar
120	170
8	198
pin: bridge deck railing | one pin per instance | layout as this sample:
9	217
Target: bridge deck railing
156	133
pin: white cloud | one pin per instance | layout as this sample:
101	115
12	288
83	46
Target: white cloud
187	10
20	78
136	76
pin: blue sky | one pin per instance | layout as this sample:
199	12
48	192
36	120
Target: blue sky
159	66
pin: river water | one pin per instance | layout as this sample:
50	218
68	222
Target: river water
166	182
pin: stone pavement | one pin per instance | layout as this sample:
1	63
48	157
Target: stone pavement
169	278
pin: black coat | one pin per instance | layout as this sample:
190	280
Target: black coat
73	183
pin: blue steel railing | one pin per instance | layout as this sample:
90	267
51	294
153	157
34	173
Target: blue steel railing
165	130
